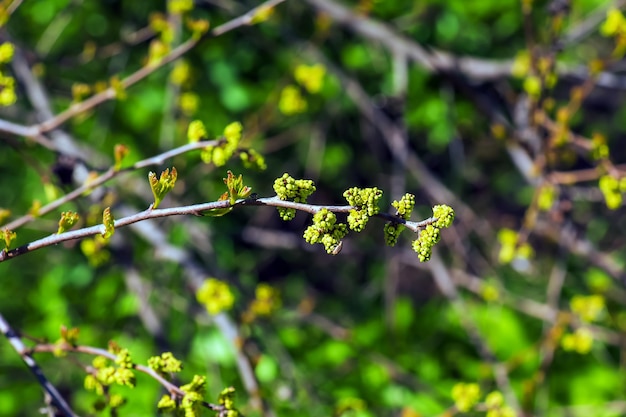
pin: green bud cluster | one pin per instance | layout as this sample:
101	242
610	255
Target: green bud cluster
325	230
430	235
226	399
191	404
162	185
392	232
221	153
357	220
125	376
7	236
424	244
365	203
404	208
7	83
612	189
599	147
194	392
589	307
581	341
251	159
68	219
109	223
288	188
107	375
496	406
546	197
196	131
123	359
167	403
444	215
99	362
465	396
91	383
166	363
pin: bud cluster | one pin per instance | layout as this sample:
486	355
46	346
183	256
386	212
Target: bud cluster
326	230
365	203
430	235
288	188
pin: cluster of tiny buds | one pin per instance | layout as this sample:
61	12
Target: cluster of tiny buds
444	215
288	188
191	403
365	203
428	238
404	208
392	232
430	235
166	363
106	375
221	153
326	230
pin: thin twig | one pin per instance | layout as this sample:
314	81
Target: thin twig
13	6
145	71
90	350
532	308
50	122
432	60
106	176
195	275
436	60
17	344
583	29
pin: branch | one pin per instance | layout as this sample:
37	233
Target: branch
143	72
51	122
541	311
105	177
581	247
21	350
171	388
195	275
392	136
196	210
193	272
434	61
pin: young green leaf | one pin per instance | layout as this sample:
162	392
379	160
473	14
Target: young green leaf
68	219
163	185
8	236
109	223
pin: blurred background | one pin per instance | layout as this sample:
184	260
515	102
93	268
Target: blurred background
511	112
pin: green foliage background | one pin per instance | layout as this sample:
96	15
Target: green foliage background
367	328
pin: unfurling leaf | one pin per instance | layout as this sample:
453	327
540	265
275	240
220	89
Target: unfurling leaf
109	223
120	152
160	187
69	336
236	189
68	219
8	236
